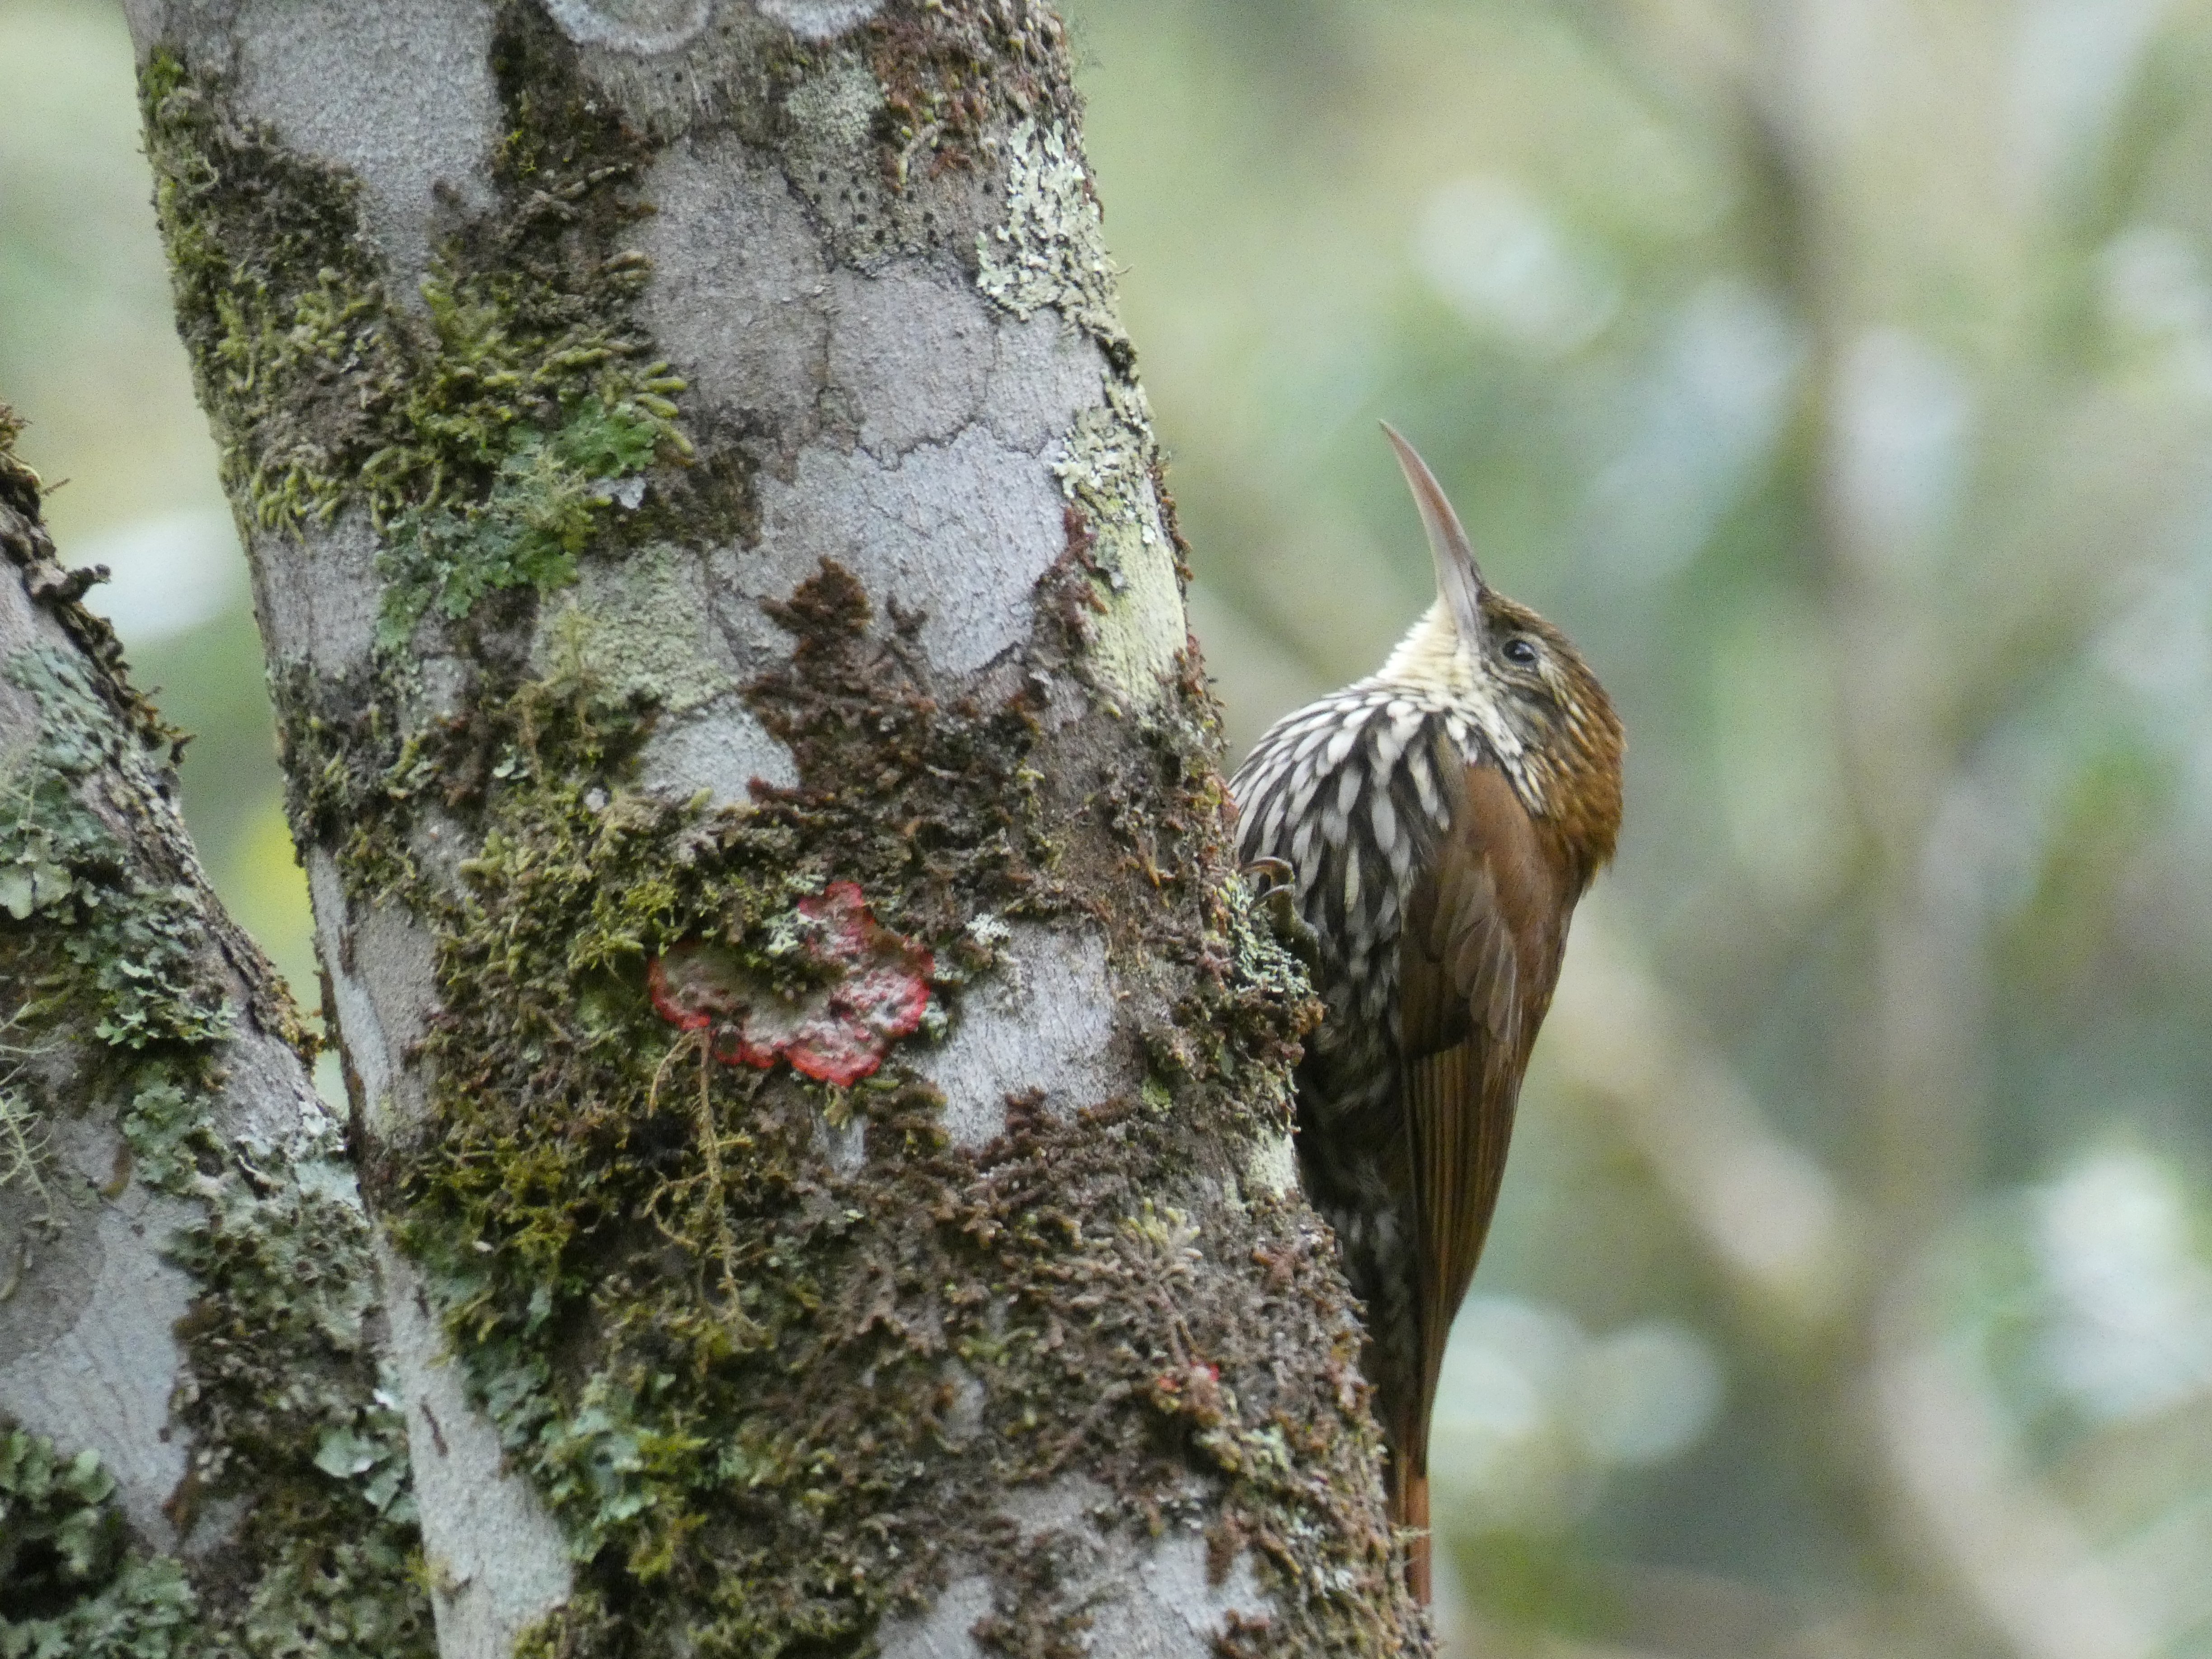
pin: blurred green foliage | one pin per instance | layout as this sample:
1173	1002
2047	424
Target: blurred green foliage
1840	376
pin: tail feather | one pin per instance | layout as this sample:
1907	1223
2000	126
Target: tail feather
1409	1514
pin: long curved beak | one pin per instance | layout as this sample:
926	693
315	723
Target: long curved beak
1459	578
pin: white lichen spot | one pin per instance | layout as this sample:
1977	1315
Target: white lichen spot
1154	1597
720	753
646	27
911	350
1272	1167
838	106
640	627
739	281
400	92
819	19
960	532
1050	252
990	932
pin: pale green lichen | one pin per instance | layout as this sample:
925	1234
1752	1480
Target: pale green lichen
282	1394
1107	464
278	1398
639	628
1105	469
128	948
838	104
1050	253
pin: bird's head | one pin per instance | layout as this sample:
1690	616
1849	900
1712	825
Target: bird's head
1519	679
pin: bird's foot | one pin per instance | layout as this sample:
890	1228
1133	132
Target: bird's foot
1278	900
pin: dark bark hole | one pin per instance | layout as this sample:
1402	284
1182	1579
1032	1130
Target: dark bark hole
36	1582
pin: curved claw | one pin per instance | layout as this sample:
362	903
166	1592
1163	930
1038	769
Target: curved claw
1280	899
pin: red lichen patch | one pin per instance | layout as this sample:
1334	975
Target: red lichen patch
864	987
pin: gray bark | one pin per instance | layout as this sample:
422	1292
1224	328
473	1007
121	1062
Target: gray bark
697	484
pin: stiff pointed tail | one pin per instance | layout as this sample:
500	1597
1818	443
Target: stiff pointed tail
1409	1514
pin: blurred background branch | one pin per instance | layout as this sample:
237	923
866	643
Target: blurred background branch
1839	373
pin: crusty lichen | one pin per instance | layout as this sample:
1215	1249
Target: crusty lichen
1048	252
1106	465
638	625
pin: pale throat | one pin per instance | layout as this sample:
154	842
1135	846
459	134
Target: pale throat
1429	660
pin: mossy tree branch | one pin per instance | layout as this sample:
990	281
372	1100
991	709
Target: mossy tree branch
812	1061
197	1455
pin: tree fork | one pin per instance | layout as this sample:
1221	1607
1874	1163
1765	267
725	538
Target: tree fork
812	1063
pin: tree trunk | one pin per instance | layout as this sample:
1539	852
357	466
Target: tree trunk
195	1456
812	1065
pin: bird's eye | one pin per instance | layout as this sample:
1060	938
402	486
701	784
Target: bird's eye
1521	651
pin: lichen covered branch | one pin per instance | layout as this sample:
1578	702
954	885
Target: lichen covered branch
196	1454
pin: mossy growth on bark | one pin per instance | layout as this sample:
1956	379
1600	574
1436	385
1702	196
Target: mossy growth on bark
773	1352
949	76
115	955
488	435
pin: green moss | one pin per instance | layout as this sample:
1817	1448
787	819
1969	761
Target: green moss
538	514
723	1362
774	1396
677	1443
484	436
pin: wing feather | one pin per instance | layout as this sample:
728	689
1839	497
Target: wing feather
1476	972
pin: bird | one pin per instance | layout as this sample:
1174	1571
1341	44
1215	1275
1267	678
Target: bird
1424	835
